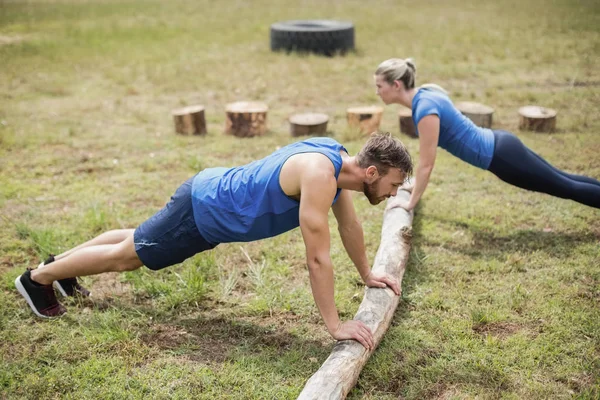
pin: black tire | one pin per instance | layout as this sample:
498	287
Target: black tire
316	36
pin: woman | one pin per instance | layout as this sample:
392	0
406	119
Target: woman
439	123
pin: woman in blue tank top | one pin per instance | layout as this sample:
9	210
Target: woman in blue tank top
439	123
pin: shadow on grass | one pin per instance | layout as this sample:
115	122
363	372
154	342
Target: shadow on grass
487	243
421	355
199	334
217	339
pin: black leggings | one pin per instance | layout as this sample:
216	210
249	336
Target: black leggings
516	164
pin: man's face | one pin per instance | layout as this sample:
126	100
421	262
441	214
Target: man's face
381	187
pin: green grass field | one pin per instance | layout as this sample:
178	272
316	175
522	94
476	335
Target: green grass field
501	298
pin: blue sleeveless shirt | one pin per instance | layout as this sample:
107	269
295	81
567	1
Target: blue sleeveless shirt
247	203
458	134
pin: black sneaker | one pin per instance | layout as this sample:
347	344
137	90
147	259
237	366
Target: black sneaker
68	286
41	298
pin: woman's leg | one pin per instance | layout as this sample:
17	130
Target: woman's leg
578	178
516	164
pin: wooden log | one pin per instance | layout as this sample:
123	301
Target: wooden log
407	125
365	119
246	118
308	124
190	120
538	119
340	371
480	114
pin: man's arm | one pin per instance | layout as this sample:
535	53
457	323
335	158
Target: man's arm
317	190
351	233
352	236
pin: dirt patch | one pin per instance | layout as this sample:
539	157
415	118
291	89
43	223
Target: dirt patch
210	340
107	291
447	393
588	288
500	330
108	286
439	391
6	40
7	263
578	383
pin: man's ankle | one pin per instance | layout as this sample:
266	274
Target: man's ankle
37	280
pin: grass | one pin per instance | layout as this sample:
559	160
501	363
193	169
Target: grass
502	293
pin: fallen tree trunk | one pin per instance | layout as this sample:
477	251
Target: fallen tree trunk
339	373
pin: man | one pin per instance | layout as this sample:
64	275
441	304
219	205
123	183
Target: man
294	186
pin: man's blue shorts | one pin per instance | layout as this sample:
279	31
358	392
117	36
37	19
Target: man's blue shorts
170	236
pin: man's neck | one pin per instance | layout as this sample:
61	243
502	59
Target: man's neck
351	175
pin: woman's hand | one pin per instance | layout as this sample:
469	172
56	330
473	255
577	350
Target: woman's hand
355	330
399	202
408	185
383	280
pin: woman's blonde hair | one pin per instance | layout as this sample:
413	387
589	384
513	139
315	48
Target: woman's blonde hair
397	69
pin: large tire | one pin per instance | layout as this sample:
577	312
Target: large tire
317	36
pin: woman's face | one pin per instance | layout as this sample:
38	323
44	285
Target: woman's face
384	89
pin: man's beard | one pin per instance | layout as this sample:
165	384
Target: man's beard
370	190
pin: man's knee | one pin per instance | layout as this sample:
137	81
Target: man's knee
128	265
125	257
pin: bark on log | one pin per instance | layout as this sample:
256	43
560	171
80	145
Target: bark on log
407	125
339	373
538	119
366	119
308	124
246	118
480	114
190	120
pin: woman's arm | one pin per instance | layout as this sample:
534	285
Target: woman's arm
429	133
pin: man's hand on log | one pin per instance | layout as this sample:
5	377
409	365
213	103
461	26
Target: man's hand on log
383	280
356	330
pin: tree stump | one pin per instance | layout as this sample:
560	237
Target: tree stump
308	124
190	120
246	118
340	371
480	114
407	125
366	119
538	119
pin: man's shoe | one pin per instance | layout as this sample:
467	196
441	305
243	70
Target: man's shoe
68	286
41	298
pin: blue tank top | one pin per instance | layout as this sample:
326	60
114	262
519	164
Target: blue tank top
247	203
458	134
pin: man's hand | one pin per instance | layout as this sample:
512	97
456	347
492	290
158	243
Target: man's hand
381	281
356	330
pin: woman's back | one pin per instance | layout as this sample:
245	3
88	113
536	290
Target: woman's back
458	134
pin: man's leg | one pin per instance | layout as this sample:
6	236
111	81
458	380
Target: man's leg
168	237
36	285
91	260
71	286
110	237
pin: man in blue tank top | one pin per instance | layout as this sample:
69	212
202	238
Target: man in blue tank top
294	186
